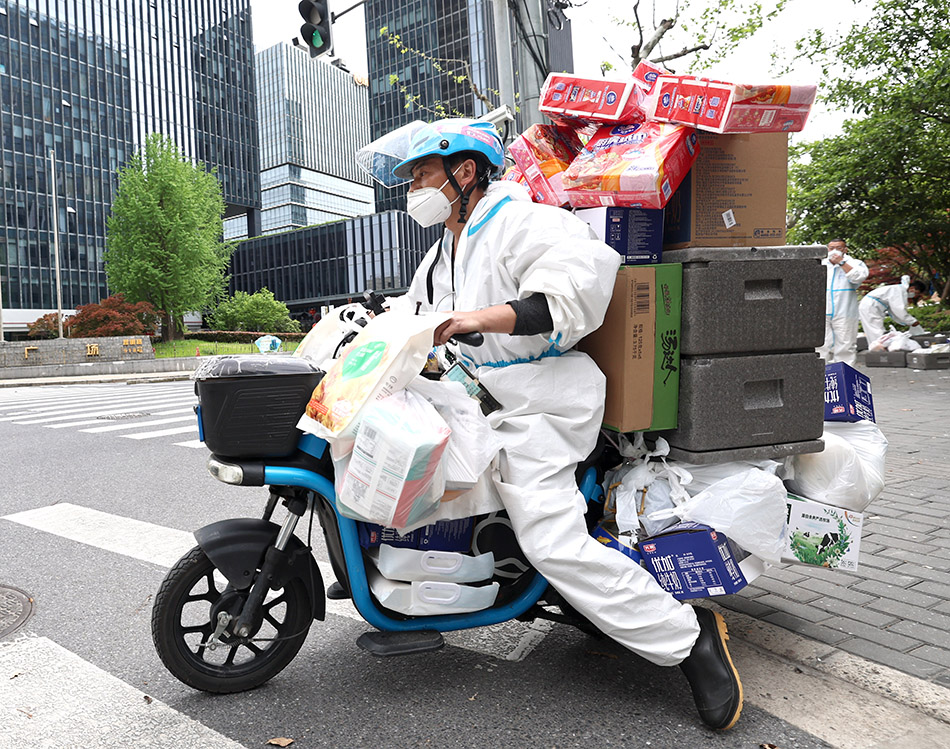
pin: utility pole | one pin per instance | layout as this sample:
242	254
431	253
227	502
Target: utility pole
503	53
59	289
532	48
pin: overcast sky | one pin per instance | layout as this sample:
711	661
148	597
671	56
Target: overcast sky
595	33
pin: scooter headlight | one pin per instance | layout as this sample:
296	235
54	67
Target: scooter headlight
226	472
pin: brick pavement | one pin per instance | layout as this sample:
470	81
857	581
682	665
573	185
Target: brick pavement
895	608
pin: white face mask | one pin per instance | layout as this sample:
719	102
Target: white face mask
429	206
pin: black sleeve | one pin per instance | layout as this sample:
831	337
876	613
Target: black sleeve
533	315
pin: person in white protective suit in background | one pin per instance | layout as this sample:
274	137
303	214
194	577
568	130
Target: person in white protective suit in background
845	275
534	280
889	301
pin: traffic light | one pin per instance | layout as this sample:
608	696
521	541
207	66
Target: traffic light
315	33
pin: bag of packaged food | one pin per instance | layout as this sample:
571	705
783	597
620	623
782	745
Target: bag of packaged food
392	476
638	165
543	153
382	359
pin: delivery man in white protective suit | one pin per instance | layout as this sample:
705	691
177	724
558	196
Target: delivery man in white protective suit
889	301
534	280
845	275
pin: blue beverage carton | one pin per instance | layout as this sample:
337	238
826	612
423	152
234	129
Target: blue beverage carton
609	535
847	394
444	535
691	560
636	233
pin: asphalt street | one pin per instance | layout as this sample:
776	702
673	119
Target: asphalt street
91	521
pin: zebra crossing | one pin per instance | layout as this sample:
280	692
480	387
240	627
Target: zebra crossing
135	412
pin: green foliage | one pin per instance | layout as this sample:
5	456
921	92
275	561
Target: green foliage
237	336
258	311
164	234
46	326
883	182
112	316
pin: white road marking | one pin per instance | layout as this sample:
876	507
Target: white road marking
54	402
138	404
191	443
163	432
86	422
165	546
36	675
137	424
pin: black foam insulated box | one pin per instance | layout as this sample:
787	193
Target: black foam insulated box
730	402
924	359
751	299
249	404
879	358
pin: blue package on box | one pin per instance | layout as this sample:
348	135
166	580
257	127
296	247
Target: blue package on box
847	394
445	535
636	233
691	560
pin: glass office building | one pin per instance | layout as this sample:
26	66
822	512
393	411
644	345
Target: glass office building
88	80
408	86
333	263
312	118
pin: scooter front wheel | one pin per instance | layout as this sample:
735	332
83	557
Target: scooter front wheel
188	611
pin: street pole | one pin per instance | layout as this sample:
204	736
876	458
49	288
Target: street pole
506	74
530	77
59	289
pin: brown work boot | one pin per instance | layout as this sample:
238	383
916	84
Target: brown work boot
712	677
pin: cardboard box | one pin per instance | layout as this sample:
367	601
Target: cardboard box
610	537
847	394
574	100
637	348
636	233
734	196
691	560
444	535
821	535
721	107
639	165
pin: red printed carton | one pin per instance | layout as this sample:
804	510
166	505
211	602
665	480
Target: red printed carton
638	165
721	107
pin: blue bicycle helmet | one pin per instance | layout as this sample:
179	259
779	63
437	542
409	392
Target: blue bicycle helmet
446	137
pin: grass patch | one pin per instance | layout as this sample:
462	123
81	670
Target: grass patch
167	349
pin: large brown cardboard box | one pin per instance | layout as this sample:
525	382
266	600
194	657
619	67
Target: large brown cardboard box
734	196
637	348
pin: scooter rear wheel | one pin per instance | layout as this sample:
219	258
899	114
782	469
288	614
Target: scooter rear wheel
184	617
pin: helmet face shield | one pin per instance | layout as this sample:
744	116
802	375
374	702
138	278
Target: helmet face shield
379	158
446	137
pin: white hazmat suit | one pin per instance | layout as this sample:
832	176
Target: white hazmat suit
552	401
841	310
882	302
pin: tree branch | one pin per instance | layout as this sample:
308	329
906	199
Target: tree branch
665	25
682	53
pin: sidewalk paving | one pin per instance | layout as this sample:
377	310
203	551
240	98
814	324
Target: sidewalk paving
894	609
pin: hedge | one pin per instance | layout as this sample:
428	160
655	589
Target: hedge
237	336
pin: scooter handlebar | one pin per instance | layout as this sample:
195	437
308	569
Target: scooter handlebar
474	339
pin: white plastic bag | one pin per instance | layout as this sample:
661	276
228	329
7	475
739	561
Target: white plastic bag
322	343
393	476
901	341
473	443
383	358
848	473
749	507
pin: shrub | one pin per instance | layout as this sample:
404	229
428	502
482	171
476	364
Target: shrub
258	311
111	317
237	336
46	326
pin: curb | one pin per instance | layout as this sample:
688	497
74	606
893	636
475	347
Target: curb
825	660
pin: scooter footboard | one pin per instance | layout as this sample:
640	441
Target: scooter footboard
237	547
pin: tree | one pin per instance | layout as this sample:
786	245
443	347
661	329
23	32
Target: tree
46	326
112	316
164	244
258	311
883	182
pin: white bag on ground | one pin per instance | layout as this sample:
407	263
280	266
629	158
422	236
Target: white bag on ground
902	341
394	477
749	507
473	444
848	473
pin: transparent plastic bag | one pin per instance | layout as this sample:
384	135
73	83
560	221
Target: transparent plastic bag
749	507
393	476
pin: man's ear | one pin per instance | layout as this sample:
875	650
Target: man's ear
468	174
